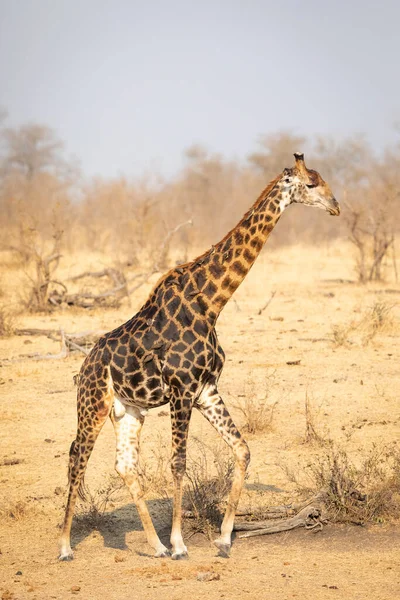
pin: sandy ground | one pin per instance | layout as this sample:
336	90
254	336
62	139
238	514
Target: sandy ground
353	391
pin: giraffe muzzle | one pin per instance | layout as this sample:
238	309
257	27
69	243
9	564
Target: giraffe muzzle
333	207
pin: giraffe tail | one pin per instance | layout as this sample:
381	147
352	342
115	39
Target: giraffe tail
82	490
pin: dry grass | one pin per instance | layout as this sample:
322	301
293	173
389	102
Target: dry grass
8	322
94	512
209	475
375	319
155	471
17	510
312	435
258	413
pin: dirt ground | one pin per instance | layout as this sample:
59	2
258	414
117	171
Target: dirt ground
352	387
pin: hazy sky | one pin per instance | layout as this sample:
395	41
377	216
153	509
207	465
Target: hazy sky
129	84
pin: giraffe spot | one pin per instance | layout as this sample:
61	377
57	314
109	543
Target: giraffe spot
149	339
189	355
160	320
200	327
124	339
184	316
189	337
215	269
220	300
238	237
226	282
273	193
141	393
174	359
118	361
253	230
239	269
198	347
256	243
180	347
173	306
210	289
198	307
136	379
201	360
226	245
171	333
248	256
122	351
200	278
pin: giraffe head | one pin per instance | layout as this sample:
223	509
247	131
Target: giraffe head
306	186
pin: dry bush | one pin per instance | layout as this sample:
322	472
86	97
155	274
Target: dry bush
258	413
8	322
358	494
209	474
155	471
17	510
312	436
372	232
375	319
94	512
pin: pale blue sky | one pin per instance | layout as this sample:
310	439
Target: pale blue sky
129	85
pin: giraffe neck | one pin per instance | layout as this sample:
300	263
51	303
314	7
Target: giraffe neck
216	275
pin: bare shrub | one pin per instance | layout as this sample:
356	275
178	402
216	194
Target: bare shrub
209	474
374	320
371	231
40	261
312	436
258	413
94	513
360	494
15	511
155	471
8	322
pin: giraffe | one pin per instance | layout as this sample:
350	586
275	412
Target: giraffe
169	353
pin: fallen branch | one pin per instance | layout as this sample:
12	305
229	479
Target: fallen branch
309	517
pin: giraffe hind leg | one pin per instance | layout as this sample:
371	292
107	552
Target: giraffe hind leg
127	425
91	417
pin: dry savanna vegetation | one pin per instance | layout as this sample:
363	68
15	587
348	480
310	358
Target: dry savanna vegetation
311	377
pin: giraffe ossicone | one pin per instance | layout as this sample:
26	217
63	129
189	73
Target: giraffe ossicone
169	353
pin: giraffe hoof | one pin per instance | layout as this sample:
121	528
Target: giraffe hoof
224	549
66	557
180	556
163	553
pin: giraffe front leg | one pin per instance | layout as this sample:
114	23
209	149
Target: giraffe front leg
180	423
210	404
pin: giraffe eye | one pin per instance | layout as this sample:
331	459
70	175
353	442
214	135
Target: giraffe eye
310	185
